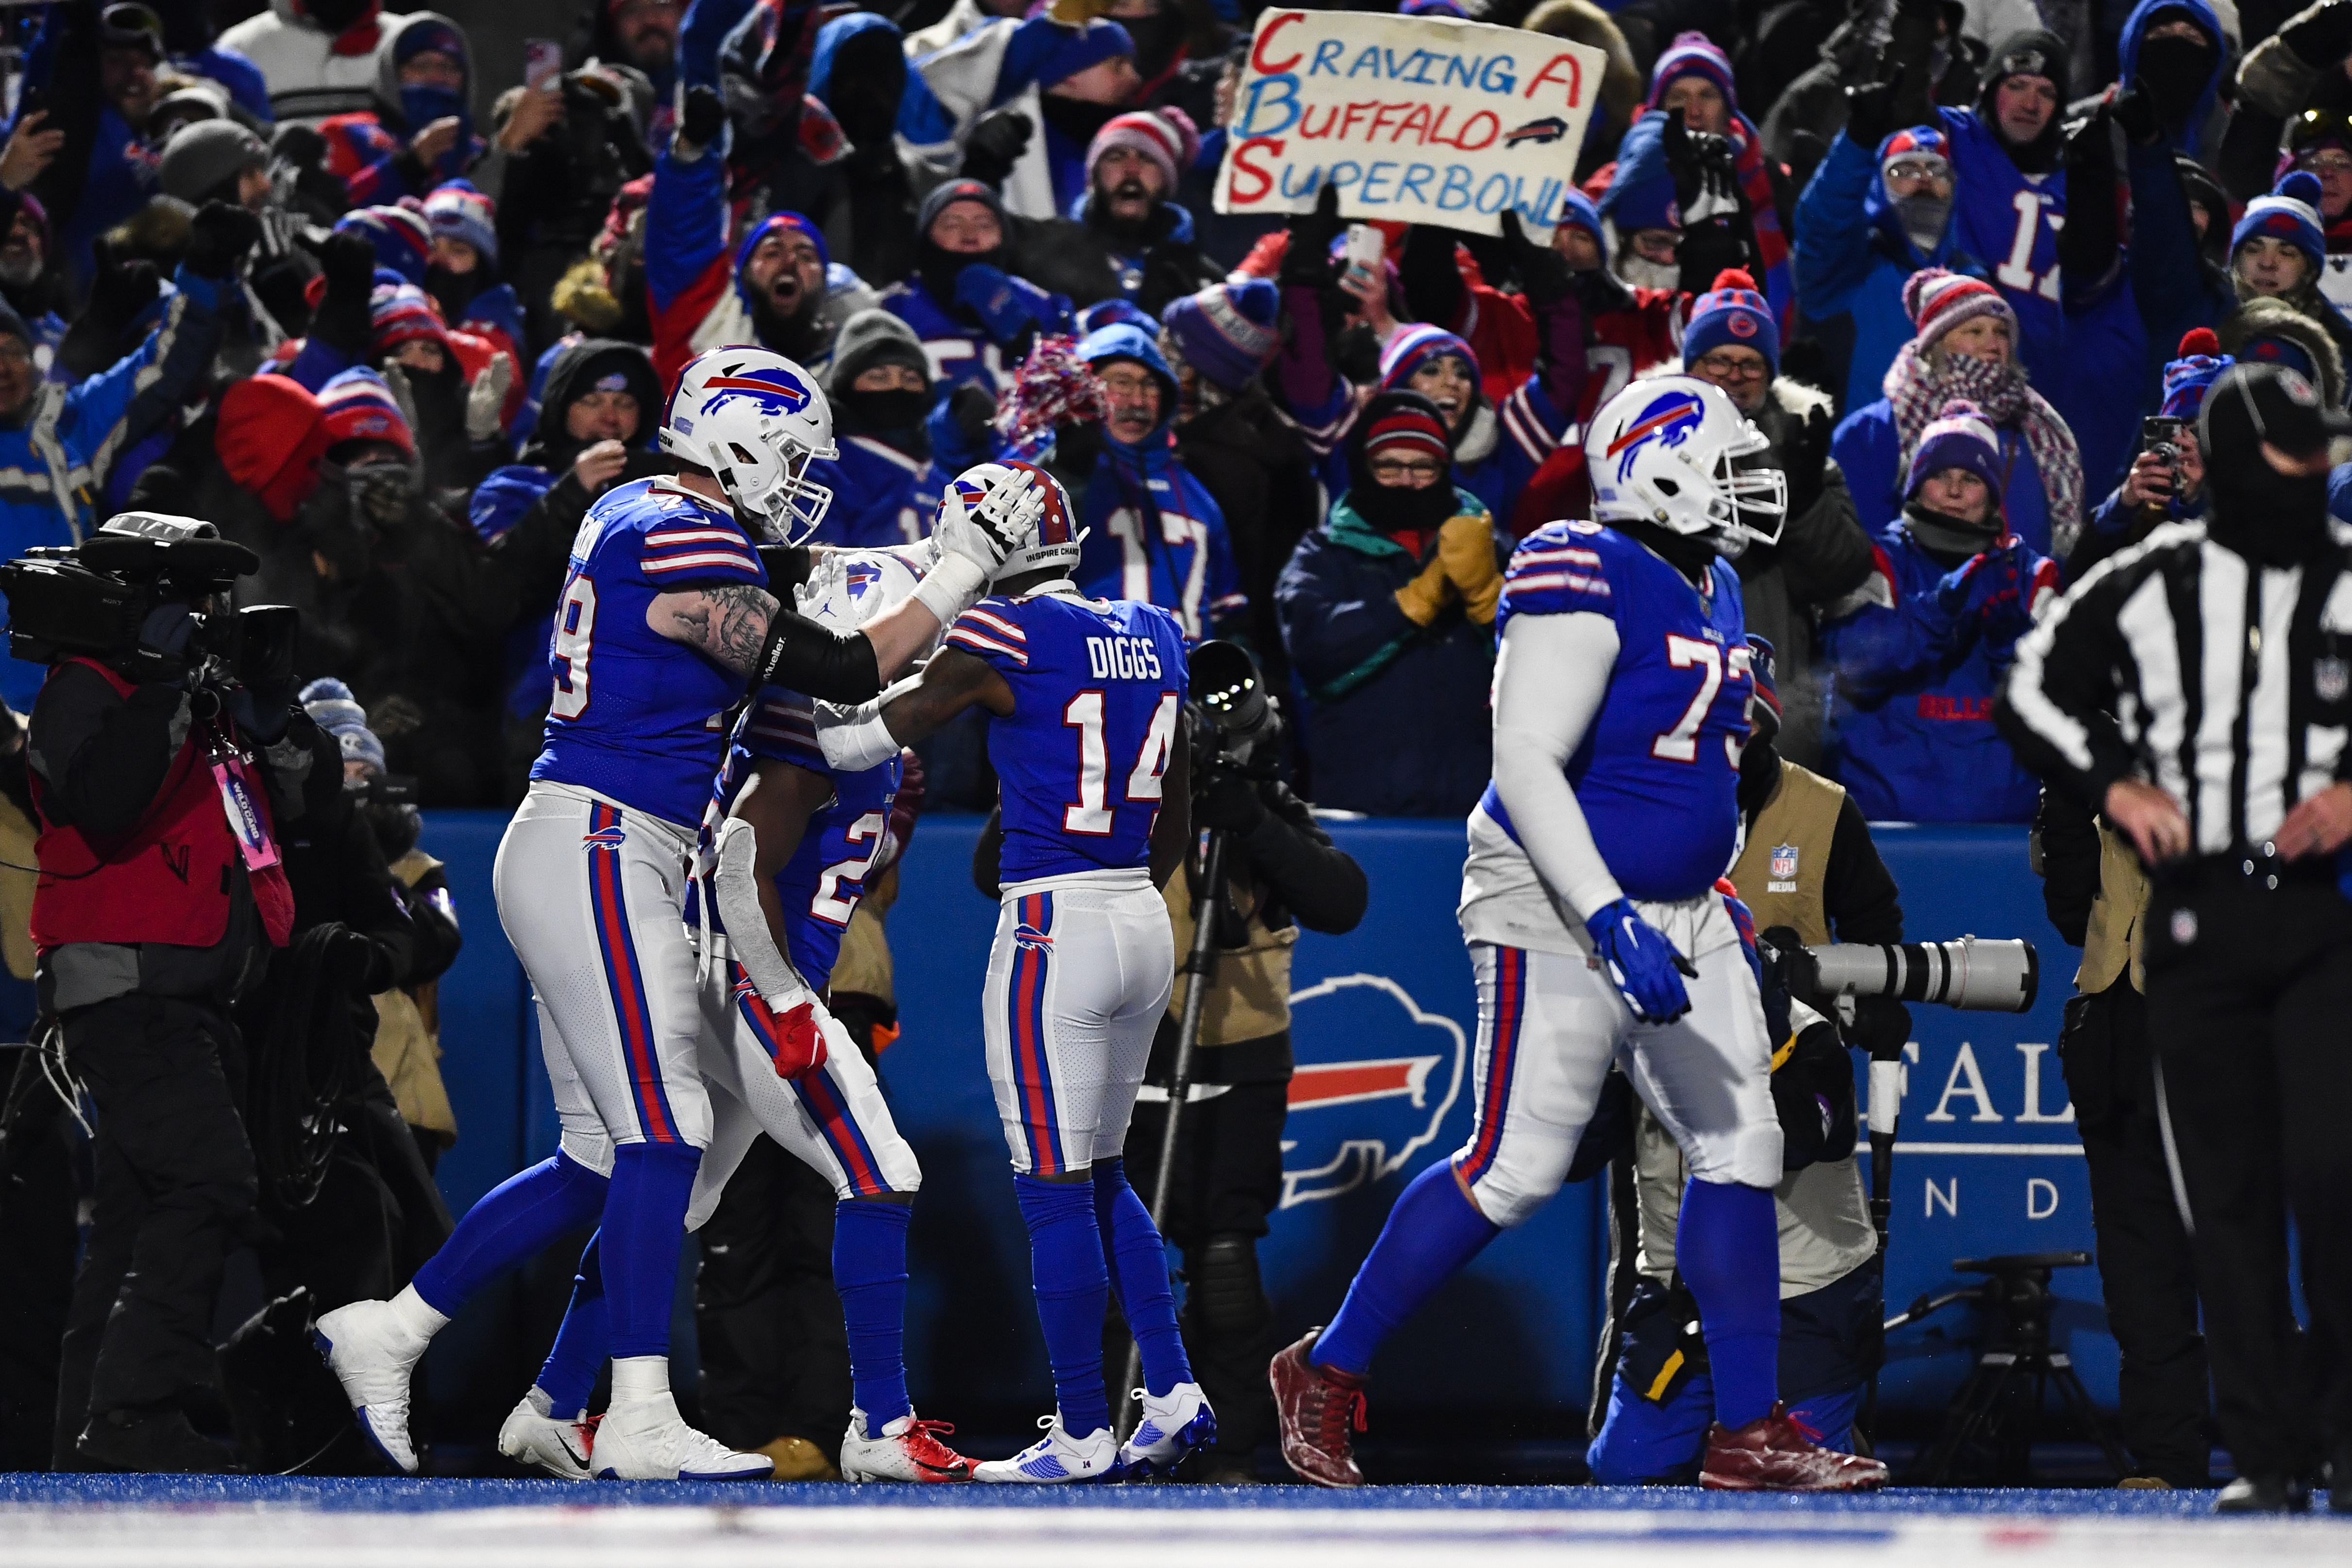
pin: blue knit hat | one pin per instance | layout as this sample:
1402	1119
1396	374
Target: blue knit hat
1958	437
332	708
944	197
1089	45
2284	352
1644	201
2290	212
1693	55
1576	209
1228	332
1414	346
459	210
775	223
2185	378
1735	313
402	237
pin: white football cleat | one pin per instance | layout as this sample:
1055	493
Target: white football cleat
373	1354
1173	1424
648	1440
1056	1457
533	1435
905	1451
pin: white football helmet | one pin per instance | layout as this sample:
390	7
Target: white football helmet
756	420
847	588
1021	509
1676	452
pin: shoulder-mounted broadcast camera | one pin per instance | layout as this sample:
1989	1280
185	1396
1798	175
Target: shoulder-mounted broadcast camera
90	600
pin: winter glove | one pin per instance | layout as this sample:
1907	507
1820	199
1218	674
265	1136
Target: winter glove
1718	230
1870	110
1006	306
1882	1027
998	139
355	961
798	1039
486	400
1804	460
1543	273
222	233
1306	264
1465	548
958	426
166	632
1172	271
1427	593
2008	611
1229	801
2320	37
703	120
1642	961
119	291
343	321
2136	111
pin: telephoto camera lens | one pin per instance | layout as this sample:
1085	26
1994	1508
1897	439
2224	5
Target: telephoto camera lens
1971	974
1225	683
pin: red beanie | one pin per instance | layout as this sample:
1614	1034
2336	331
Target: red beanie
1408	427
270	435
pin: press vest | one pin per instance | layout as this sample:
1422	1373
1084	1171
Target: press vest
168	877
1781	869
2111	942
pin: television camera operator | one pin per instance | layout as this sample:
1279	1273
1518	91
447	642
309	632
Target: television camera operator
2195	693
1281	873
160	761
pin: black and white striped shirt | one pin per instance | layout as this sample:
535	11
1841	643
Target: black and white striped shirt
2226	684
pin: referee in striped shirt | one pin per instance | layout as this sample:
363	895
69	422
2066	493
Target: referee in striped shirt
2196	691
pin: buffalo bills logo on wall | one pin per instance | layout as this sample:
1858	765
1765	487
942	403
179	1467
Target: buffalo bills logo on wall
774	389
1355	1119
1669	422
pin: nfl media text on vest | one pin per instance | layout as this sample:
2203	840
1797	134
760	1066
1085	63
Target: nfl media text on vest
1415	119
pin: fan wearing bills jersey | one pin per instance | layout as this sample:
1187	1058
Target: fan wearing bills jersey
786	846
1595	932
1084	698
664	623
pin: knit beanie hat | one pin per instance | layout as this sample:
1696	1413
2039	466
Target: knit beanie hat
1641	201
1166	136
1432	9
1089	44
403	239
1116	311
1958	437
332	708
778	223
404	314
2030	52
270	434
954	190
2290	212
868	339
204	156
1576	211
2187	377
2284	352
1228	332
1408	428
358	406
1414	346
1938	300
456	210
1693	55
1917	144
1733	312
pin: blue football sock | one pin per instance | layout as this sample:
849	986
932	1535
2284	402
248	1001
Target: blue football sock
645	1225
1072	1286
517	1218
1138	1258
569	1375
1432	1230
1728	1246
869	1269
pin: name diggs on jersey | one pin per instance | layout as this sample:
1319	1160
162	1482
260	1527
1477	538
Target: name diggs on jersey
1123	658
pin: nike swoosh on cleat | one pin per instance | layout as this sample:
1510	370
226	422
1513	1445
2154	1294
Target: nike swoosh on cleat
964	1469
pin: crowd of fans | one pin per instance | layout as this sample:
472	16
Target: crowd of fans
306	277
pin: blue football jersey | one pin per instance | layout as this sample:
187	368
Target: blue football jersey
1657	774
638	718
1098	690
2009	221
819	887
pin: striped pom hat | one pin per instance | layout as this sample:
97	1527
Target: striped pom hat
1404	425
404	314
358	406
1414	346
1166	136
2291	213
1693	55
1937	299
1921	143
457	211
1733	313
1228	332
2185	378
403	239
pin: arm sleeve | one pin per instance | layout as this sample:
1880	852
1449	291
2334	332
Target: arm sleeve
1858	892
1319	883
123	405
818	662
1834	253
1549	679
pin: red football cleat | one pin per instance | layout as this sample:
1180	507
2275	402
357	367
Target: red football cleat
1317	1408
1779	1453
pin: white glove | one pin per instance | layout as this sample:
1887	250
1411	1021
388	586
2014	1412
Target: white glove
486	401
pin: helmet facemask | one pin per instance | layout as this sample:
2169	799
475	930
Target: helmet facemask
775	496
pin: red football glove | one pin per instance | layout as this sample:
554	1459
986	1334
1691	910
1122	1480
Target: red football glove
796	1040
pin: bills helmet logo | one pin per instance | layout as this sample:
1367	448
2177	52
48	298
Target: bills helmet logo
1028	936
1537	133
1355	1119
1669	422
607	839
776	390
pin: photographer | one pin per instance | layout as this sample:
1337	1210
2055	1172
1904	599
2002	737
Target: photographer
161	893
1282	873
2228	775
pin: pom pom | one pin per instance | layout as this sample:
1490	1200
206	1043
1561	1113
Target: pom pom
1916	286
326	688
1960	408
1735	277
2302	187
2199	340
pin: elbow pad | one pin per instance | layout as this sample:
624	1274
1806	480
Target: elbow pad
736	889
812	659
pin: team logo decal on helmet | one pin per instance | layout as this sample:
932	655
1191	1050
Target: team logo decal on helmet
756	420
1668	421
1674	452
776	387
1024	507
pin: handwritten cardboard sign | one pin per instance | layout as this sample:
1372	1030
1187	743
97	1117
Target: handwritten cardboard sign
1420	120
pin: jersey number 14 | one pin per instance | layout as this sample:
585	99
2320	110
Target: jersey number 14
1092	814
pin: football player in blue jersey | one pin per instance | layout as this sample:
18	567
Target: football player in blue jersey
1084	698
1595	931
787	844
664	623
